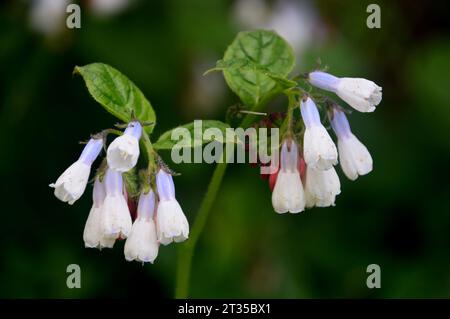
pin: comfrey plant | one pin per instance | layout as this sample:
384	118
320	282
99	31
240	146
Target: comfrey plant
256	67
110	217
132	173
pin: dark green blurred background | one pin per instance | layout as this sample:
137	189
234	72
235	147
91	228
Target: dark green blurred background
398	216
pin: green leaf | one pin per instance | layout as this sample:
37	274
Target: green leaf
116	93
246	64
256	65
195	133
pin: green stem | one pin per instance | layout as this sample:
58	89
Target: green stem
150	152
186	251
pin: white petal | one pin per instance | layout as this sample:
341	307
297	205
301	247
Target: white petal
93	236
354	157
71	184
107	242
288	195
172	224
142	244
92	230
116	219
123	153
319	149
361	94
322	186
310	200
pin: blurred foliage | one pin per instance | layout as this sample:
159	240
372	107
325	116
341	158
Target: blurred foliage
398	216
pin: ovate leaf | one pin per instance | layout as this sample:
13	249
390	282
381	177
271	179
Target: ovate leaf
116	93
248	65
256	65
191	135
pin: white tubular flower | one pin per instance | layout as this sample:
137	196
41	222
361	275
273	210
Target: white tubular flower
171	222
321	187
361	94
71	184
142	243
288	195
319	150
354	157
123	152
116	218
93	235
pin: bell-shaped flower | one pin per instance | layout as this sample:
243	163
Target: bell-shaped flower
93	236
142	243
361	94
319	150
288	195
71	184
123	152
116	218
321	187
171	222
354	157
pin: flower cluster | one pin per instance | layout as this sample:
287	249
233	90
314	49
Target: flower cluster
159	218
306	176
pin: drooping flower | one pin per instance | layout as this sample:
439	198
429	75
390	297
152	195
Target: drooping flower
93	236
354	157
71	184
288	195
361	94
116	219
321	187
171	222
123	152
319	150
142	243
